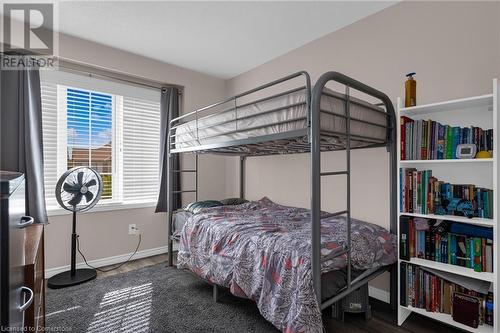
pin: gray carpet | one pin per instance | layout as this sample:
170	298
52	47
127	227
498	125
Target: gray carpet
151	299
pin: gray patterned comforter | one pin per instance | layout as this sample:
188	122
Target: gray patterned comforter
261	250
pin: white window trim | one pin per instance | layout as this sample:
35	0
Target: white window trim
118	146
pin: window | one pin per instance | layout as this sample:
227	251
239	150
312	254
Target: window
90	134
111	127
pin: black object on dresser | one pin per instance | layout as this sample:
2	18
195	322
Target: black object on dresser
15	296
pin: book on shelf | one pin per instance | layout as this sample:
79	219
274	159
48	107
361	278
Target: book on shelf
431	140
422	193
446	242
422	288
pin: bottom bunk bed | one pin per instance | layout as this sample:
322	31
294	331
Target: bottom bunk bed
262	250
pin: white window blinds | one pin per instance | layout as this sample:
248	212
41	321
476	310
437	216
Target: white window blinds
141	144
49	131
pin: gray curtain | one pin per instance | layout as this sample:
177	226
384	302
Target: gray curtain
21	146
169	108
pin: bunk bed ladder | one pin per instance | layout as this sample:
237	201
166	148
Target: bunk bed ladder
177	191
346	249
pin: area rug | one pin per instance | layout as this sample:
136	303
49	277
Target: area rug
151	299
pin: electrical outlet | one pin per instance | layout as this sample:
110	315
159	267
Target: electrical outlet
132	229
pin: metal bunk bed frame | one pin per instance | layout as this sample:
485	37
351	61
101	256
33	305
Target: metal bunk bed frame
278	144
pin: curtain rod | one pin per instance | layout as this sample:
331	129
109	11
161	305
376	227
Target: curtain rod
103	73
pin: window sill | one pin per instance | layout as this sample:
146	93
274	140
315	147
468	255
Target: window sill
103	208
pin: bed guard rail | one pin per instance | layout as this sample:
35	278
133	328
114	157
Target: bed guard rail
316	174
195	115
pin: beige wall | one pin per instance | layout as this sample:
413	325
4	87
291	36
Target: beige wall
453	47
105	234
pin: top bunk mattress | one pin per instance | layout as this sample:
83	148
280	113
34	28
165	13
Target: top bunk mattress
286	113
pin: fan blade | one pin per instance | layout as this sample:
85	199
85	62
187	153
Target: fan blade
74	188
89	196
92	182
80	178
76	199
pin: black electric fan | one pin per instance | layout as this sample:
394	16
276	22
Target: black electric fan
78	190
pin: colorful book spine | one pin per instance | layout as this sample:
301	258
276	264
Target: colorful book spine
421	192
428	139
421	288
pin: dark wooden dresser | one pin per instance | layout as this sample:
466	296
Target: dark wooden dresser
34	277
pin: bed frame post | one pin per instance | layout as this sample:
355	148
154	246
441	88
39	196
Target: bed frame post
170	204
348	182
196	164
215	293
242	177
394	173
316	190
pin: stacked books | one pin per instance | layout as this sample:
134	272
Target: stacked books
447	242
422	193
426	289
430	140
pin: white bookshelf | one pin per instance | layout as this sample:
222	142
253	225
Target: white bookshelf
461	219
480	111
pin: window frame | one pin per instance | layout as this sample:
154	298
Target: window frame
117	201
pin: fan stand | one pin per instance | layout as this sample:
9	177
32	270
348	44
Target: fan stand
73	276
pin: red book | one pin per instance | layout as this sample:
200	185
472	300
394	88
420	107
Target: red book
412	237
404	121
437	290
434	294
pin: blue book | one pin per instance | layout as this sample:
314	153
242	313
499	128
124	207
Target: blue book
479	203
440	142
465	135
438	251
453	250
471	254
421	239
444	249
456	141
471	230
486	204
446	191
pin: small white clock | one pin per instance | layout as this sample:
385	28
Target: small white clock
466	150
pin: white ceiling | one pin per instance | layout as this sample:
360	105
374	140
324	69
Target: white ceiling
222	39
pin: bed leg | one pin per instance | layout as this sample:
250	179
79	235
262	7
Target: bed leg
215	293
394	287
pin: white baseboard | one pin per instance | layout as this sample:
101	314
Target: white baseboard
376	293
109	260
379	294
